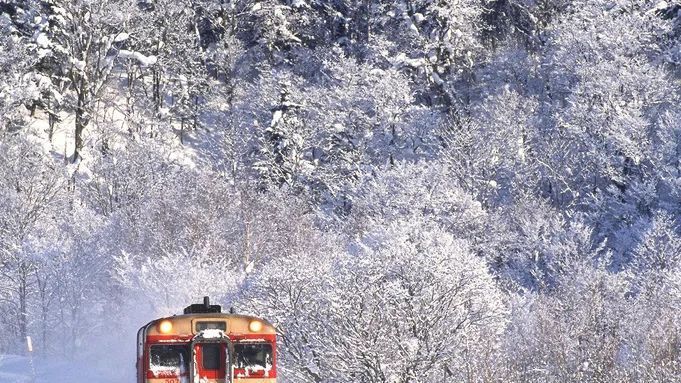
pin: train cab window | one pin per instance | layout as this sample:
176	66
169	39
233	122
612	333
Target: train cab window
169	358
210	355
200	326
253	355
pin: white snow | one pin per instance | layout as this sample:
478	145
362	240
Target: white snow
250	267
79	64
17	369
141	59
42	40
298	3
212	333
276	117
402	60
412	27
121	37
661	5
255	369
436	78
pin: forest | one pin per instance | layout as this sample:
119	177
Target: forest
418	191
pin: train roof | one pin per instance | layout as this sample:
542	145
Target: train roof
204	316
208	316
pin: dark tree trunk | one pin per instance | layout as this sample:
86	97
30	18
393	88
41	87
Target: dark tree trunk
81	122
51	117
196	113
157	90
182	131
23	298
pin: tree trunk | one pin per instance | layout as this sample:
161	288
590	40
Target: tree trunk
81	122
51	118
196	113
182	131
156	75
23	298
44	309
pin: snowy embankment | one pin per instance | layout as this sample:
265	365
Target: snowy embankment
18	369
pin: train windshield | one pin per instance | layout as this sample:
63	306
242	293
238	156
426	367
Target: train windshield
169	358
253	356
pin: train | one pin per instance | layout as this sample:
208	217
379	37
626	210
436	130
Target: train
205	345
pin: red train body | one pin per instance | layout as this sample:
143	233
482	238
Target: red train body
205	345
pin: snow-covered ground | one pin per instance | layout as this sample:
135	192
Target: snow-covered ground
18	369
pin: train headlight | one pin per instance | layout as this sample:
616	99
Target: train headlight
255	326
165	327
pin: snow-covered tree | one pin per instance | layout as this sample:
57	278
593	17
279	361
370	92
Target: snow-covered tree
77	45
29	209
193	275
574	333
659	249
15	63
406	302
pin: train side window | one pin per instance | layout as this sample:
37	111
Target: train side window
211	356
171	358
253	355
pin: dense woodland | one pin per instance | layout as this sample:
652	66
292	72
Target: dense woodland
412	190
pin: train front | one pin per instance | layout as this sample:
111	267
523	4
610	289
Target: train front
206	346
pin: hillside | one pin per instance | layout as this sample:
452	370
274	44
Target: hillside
412	191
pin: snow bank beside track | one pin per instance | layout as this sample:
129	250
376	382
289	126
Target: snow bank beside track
17	369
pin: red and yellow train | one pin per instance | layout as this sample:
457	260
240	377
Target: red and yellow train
205	345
